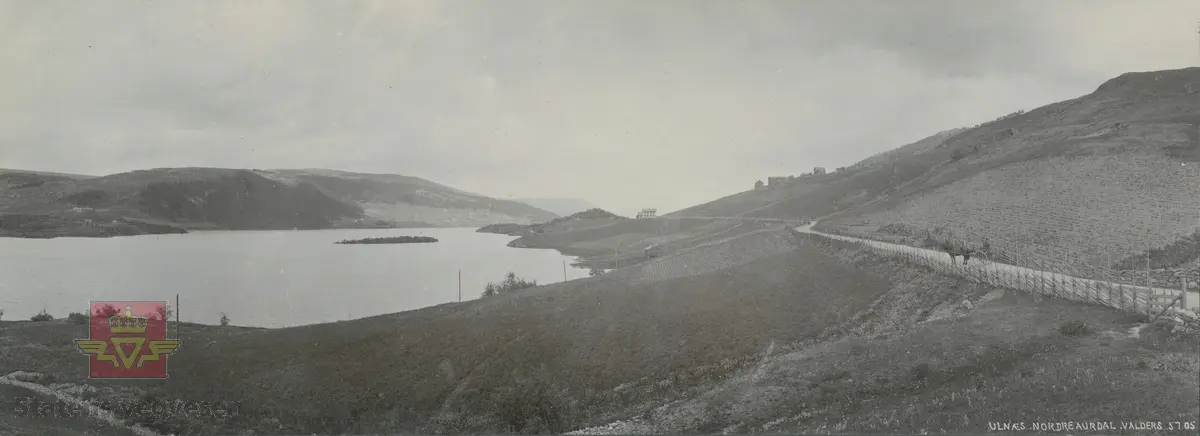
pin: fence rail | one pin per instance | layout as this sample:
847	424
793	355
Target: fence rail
1178	304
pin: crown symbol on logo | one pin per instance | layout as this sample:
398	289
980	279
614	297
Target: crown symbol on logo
127	323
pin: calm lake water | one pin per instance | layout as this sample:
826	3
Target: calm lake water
264	278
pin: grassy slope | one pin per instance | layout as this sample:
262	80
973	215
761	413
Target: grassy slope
919	361
1086	180
49	421
1006	361
821	195
370	190
612	243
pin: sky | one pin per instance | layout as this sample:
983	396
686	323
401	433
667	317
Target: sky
626	104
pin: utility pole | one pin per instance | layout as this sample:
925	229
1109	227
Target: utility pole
564	270
460	286
176	316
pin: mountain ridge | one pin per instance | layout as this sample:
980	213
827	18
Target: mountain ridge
174	200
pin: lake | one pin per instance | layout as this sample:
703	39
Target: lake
264	278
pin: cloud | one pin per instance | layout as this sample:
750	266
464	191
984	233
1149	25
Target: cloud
625	103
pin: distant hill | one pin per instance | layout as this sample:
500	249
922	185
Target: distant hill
818	195
45	173
1094	178
590	218
391	197
172	200
560	206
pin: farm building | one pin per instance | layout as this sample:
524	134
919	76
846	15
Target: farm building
776	181
758	184
647	213
818	171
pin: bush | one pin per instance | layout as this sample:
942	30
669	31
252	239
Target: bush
1073	328
511	283
595	272
224	319
533	405
42	317
77	318
1	313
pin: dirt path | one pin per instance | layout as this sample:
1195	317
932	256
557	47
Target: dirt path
1066	283
1070	284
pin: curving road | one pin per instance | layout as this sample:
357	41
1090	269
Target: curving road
1027	279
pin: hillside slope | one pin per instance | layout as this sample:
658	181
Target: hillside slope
170	200
935	354
1085	181
560	206
161	201
1091	180
814	196
391	197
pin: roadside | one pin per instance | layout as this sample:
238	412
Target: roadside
937	353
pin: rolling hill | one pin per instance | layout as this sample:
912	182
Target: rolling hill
1091	180
173	200
392	197
560	206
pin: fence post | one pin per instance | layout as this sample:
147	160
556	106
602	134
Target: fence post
1149	285
1183	292
1121	295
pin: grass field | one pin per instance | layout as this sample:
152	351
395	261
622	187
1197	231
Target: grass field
920	361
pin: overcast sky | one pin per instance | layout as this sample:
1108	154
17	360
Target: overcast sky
627	104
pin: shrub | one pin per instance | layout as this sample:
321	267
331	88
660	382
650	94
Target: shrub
957	154
224	319
510	283
1	313
533	404
1073	328
595	272
77	318
43	316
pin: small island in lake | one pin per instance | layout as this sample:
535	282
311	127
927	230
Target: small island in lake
390	240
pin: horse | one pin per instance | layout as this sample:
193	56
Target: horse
955	247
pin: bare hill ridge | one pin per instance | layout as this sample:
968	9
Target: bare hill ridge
561	206
171	200
1102	176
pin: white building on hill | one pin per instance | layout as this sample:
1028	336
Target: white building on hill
647	213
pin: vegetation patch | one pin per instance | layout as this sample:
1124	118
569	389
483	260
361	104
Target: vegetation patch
1073	328
510	283
43	316
1181	252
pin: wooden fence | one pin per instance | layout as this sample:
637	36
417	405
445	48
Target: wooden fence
1174	304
